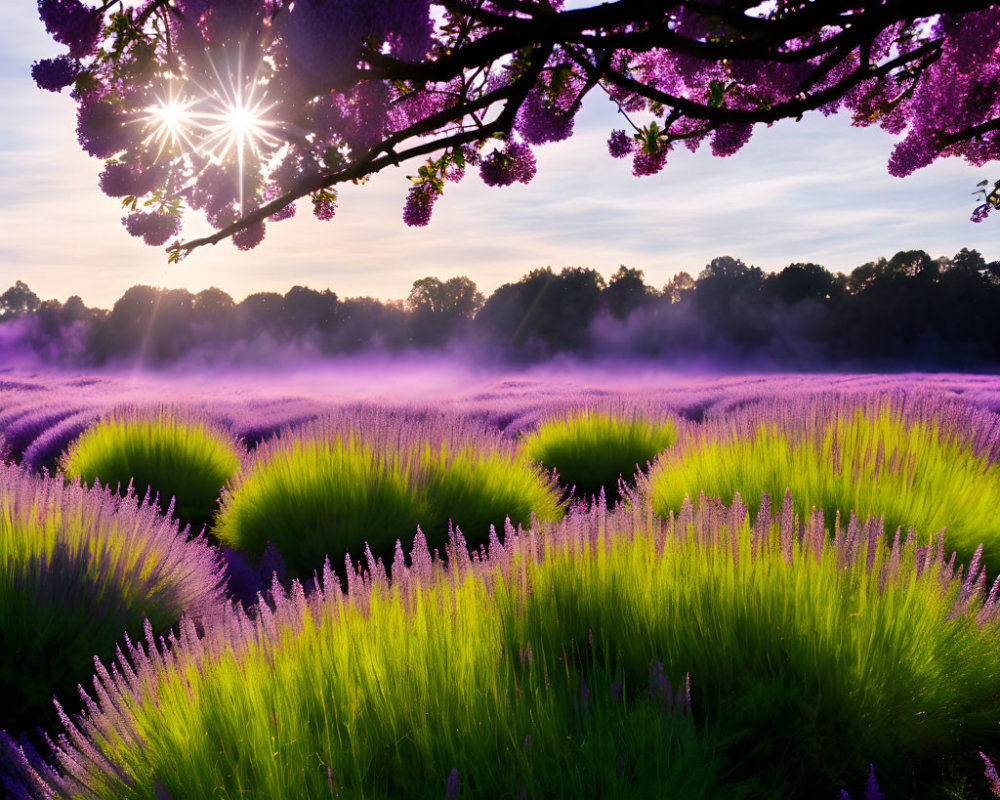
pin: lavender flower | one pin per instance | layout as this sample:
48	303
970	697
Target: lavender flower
419	205
620	144
54	74
119	179
249	237
155	229
539	123
991	774
102	130
646	163
71	23
324	209
515	162
980	213
730	137
453	786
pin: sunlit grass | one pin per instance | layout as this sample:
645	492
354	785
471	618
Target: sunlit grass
79	569
182	459
808	660
321	498
330	489
591	449
920	470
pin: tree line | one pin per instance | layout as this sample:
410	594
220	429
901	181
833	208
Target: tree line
910	311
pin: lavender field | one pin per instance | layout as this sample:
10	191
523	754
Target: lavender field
376	580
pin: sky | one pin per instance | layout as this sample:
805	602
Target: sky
815	190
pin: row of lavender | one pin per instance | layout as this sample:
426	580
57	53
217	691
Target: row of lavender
40	414
463	680
722	613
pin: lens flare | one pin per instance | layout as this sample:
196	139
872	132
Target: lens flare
171	121
222	120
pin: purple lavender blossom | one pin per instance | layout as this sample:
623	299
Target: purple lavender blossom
620	144
539	123
55	74
515	162
453	787
155	229
249	237
730	137
324	209
980	212
71	23
646	163
991	774
872	791
119	179
102	130
419	205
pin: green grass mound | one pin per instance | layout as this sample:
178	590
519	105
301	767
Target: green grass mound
591	449
79	569
557	669
177	457
808	662
330	488
916	468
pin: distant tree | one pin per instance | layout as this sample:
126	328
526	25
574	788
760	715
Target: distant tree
627	292
969	262
680	285
798	282
261	313
48	322
727	299
213	315
308	313
73	310
543	313
458	296
149	324
17	301
440	307
912	264
361	323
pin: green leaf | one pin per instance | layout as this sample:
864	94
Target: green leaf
716	93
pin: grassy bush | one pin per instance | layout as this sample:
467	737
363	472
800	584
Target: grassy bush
808	659
180	458
474	488
321	497
388	695
919	468
812	658
327	489
80	568
591	450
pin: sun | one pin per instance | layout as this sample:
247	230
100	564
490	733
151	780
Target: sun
225	119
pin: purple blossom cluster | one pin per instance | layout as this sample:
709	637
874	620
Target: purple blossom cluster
620	144
121	179
729	138
54	74
103	130
515	162
73	24
154	228
540	121
330	84
648	163
419	205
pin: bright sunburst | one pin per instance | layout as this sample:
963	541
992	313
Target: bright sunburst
224	122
